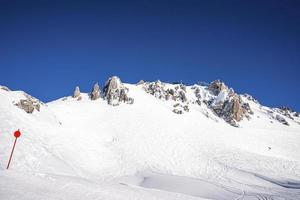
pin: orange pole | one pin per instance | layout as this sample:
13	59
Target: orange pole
11	154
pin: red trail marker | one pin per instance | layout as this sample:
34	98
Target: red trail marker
16	134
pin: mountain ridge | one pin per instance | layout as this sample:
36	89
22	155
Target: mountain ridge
148	135
217	96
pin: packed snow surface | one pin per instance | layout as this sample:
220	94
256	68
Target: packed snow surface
91	150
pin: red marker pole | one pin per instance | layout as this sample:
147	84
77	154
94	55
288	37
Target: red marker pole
16	134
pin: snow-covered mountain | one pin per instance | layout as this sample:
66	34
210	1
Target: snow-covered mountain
150	140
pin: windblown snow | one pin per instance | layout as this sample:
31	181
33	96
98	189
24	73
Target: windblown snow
87	149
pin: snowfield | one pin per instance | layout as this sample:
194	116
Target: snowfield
87	149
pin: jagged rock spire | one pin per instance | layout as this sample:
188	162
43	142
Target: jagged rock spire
95	94
76	92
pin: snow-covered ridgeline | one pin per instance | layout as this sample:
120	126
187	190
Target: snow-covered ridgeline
129	130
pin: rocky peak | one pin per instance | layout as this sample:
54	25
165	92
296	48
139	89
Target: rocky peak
115	92
95	94
216	87
76	92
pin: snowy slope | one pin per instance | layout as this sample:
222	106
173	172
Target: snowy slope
145	151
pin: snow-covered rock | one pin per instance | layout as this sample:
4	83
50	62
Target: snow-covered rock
250	98
169	92
281	119
286	111
221	98
180	108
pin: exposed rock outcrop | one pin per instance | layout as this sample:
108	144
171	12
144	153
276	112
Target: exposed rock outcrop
201	94
227	104
180	108
281	120
29	104
26	105
216	87
233	111
95	94
156	89
224	102
283	114
247	108
286	111
115	92
168	92
76	92
162	91
5	88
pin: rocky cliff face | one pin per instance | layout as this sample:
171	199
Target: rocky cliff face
228	104
115	92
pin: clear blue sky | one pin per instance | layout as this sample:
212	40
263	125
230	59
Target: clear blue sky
49	47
